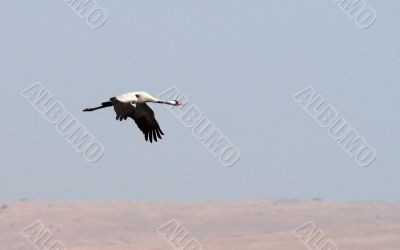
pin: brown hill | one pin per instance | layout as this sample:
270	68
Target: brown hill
275	225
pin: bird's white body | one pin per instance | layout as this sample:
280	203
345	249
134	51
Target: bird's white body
127	97
133	105
142	97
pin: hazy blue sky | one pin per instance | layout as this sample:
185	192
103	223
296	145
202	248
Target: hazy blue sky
240	62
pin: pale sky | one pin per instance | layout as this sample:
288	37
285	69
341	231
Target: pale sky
239	62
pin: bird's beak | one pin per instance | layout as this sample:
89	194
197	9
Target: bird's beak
172	103
177	103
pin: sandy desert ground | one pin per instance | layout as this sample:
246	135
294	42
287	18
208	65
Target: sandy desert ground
274	225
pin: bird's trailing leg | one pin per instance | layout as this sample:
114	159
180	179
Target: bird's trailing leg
103	105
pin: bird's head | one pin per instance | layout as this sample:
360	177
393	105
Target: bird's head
143	97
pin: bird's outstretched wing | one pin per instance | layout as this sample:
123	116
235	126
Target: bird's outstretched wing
122	109
144	118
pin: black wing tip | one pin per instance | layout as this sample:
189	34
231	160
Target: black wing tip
153	135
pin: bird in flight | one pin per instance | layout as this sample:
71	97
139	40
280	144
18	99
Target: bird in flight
134	105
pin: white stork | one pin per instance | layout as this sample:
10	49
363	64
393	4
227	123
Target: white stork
134	105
